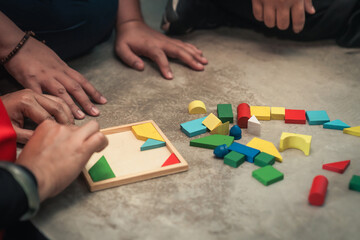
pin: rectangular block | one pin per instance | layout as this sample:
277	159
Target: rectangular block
277	113
355	183
225	113
260	112
295	116
249	152
234	159
263	159
268	175
194	127
211	121
317	117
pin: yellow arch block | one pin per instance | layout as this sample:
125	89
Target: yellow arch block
266	147
294	140
145	131
197	107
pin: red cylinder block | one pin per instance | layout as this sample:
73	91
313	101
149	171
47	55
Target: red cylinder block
243	115
318	190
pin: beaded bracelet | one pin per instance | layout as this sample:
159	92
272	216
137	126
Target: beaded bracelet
27	35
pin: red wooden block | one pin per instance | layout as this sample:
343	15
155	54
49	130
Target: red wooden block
243	114
295	116
318	190
171	160
338	167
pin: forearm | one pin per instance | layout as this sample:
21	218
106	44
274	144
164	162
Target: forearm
10	35
128	10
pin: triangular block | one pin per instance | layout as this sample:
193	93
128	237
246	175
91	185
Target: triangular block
171	160
151	144
352	131
101	170
254	126
222	129
336	124
212	141
338	167
265	146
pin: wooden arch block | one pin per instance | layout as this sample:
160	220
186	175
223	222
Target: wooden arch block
293	140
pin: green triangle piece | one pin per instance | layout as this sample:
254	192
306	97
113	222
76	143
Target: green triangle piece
212	141
151	144
101	170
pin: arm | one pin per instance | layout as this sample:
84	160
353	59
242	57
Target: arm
134	38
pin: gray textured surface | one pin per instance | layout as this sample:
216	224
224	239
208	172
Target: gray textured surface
213	200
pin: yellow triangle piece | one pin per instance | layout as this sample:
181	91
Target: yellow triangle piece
352	131
145	131
222	129
265	146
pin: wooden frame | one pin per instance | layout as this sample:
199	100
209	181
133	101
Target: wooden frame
135	177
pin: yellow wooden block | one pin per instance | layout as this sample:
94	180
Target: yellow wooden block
197	107
294	140
352	131
222	129
260	112
265	146
277	113
211	121
145	131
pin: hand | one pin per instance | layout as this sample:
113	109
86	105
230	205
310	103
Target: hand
56	154
37	67
135	38
277	13
37	107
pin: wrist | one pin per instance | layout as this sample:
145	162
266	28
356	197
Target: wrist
128	22
9	43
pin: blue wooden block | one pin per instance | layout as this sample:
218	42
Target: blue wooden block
221	150
235	131
317	117
336	124
249	152
151	144
194	127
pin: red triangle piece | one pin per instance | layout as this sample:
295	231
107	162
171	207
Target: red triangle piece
171	160
338	167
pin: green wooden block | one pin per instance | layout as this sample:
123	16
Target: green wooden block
263	159
212	141
355	183
101	170
225	113
234	159
267	175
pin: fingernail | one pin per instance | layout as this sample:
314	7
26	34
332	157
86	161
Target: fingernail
80	114
199	64
103	99
94	111
313	9
137	65
170	75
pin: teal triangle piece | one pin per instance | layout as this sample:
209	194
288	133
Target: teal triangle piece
336	124
151	144
212	141
101	170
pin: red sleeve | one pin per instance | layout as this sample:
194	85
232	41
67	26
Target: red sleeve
7	136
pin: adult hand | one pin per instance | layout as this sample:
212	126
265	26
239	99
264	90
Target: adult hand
135	38
37	67
56	154
37	107
277	13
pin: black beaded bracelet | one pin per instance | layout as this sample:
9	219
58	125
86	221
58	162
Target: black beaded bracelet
27	35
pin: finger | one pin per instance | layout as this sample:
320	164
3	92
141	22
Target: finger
33	85
283	18
309	7
23	135
198	57
184	56
88	129
57	89
65	106
194	48
181	44
269	16
258	10
96	142
57	108
75	89
36	112
298	17
159	57
130	58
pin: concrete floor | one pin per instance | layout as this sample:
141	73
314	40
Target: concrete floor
213	200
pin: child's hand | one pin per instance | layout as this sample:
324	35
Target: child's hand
135	38
277	12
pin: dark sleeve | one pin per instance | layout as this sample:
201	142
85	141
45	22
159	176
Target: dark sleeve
13	201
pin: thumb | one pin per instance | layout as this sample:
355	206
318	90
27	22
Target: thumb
23	135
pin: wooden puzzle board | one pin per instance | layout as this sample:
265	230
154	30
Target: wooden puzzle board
128	163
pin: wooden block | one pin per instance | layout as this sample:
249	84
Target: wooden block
171	160
355	183
194	127
318	190
261	112
235	131
338	167
225	113
277	113
234	159
295	116
265	146
243	115
249	152
212	141
197	107
101	170
222	129
336	124
352	131
152	144
145	131
254	126
317	117
293	140
211	121
267	175
263	159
